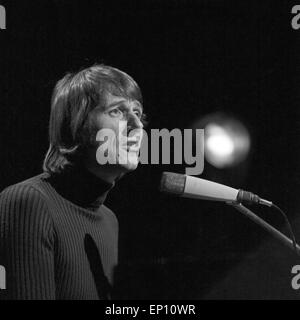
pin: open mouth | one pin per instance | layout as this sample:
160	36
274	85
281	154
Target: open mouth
132	144
133	149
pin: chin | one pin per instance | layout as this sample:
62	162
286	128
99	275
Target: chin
129	167
131	162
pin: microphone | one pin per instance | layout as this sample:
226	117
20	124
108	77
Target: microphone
197	188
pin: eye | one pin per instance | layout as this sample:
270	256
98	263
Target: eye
144	119
116	112
138	113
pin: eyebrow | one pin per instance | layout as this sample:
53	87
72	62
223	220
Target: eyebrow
117	103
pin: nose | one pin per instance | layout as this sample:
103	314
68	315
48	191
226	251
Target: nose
134	122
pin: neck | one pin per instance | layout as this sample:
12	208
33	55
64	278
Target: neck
82	187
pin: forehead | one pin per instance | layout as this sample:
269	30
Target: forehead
112	100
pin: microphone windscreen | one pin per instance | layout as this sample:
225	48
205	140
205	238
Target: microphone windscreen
172	183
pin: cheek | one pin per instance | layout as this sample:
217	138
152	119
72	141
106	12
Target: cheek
106	122
101	123
116	126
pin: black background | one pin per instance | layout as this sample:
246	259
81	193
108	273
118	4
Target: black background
190	58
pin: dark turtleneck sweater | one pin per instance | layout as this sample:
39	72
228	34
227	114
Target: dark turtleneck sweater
57	238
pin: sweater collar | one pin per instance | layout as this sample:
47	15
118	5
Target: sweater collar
81	187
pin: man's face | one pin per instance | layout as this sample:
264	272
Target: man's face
121	118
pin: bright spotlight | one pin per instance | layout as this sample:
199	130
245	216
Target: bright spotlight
227	141
219	142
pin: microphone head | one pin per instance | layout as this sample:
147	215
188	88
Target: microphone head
172	183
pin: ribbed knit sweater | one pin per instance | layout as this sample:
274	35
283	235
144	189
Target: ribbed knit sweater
57	239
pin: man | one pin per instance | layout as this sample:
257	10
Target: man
57	238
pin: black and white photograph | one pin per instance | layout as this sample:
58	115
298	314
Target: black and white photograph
150	151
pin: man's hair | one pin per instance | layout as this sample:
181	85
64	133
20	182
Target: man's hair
73	98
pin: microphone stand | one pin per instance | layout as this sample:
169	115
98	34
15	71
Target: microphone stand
277	234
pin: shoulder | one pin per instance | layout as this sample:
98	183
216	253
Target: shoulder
26	226
27	191
25	201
